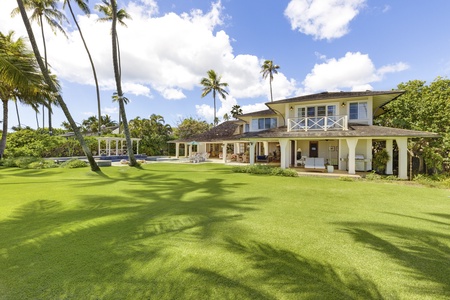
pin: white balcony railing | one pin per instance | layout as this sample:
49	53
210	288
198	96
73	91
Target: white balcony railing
318	123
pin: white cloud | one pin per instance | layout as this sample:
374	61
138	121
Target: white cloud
110	110
323	19
354	71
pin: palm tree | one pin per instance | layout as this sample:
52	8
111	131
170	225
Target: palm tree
48	10
20	79
85	8
54	89
236	111
107	11
212	84
117	75
268	69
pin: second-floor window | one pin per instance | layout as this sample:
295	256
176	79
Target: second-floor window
264	123
358	111
317	111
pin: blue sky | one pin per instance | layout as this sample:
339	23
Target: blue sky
168	46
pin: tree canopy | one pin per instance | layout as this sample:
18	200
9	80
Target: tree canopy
423	107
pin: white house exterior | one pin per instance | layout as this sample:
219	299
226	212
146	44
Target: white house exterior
335	126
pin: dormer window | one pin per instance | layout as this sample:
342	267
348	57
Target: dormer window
358	111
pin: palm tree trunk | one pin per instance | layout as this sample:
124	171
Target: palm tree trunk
271	96
93	69
37	120
5	127
87	151
46	68
117	75
18	115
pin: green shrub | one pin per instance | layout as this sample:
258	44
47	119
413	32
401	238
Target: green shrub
373	176
21	162
42	164
265	169
345	178
73	163
439	181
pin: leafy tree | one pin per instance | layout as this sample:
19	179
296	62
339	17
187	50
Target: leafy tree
189	127
423	107
54	89
91	124
236	111
85	8
20	79
212	84
153	132
48	10
268	69
226	117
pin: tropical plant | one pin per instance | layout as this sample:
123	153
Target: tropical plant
380	159
54	89
20	79
236	111
48	10
153	132
212	84
85	8
267	70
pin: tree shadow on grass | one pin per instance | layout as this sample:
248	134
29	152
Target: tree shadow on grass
297	277
424	253
99	248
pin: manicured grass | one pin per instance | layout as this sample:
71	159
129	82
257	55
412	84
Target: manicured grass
178	231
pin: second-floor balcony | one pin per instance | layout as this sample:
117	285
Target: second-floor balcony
318	123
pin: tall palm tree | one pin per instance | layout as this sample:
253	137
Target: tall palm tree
54	89
117	75
48	10
212	84
20	79
106	9
85	8
268	69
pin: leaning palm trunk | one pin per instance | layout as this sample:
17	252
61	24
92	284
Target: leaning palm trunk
5	127
49	82
117	75
92	66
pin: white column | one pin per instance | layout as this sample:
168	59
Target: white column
402	144
390	151
266	148
236	148
284	155
252	153
351	142
177	150
137	146
224	152
98	153
368	155
186	150
189	150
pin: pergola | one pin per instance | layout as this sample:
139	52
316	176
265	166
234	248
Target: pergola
119	145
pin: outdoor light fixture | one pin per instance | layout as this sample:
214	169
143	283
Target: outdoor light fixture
291	108
343	104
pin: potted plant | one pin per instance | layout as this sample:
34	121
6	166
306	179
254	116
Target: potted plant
380	159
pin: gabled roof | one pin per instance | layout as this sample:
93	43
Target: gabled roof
261	113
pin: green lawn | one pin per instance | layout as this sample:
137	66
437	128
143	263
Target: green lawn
178	231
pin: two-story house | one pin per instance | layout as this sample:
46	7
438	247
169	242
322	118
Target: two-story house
335	126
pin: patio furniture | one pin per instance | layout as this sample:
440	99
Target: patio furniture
315	164
262	158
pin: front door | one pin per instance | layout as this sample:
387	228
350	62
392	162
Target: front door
313	149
